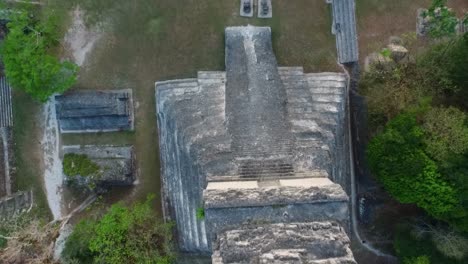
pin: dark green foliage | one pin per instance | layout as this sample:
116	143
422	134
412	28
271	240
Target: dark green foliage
397	158
28	65
77	244
446	134
122	235
445	66
410	249
200	213
417	260
76	164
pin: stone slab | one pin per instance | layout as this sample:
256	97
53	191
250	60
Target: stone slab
241	10
260	11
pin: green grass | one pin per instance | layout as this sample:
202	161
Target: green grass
27	150
114	138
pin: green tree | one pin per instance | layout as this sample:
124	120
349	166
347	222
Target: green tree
446	134
122	235
28	65
397	158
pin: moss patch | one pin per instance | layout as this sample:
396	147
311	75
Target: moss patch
76	164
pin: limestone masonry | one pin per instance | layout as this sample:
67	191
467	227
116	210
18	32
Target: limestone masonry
262	151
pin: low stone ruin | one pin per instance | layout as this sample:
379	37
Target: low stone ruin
257	144
314	242
95	111
116	164
394	53
13	205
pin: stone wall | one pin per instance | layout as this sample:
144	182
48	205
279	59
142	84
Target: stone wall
15	204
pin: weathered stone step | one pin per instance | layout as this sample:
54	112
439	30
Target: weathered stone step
177	84
325	84
313	108
295	175
290	71
326	76
211	75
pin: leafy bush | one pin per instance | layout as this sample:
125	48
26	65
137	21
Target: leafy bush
417	260
446	133
77	164
122	235
397	158
28	65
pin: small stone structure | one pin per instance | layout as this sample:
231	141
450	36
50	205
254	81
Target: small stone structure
246	8
253	146
95	111
265	9
116	163
13	205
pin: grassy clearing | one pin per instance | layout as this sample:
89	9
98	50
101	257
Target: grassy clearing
378	20
114	138
27	149
150	40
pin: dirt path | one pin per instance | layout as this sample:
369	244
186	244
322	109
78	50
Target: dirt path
53	177
79	39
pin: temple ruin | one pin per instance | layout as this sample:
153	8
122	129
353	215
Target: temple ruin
262	152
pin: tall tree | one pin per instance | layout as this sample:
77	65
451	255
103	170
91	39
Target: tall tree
28	65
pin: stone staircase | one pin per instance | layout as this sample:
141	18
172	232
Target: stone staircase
316	104
201	141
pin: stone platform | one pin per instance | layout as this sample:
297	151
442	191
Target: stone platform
95	111
116	163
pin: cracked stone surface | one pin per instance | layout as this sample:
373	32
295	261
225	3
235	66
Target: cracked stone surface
315	242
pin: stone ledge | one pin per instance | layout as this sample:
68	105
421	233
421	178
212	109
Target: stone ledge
222	198
311	242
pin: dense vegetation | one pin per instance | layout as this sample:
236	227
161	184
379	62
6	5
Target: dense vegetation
419	146
26	56
76	164
123	235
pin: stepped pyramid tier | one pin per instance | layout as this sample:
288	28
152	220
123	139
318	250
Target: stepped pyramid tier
95	111
257	143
